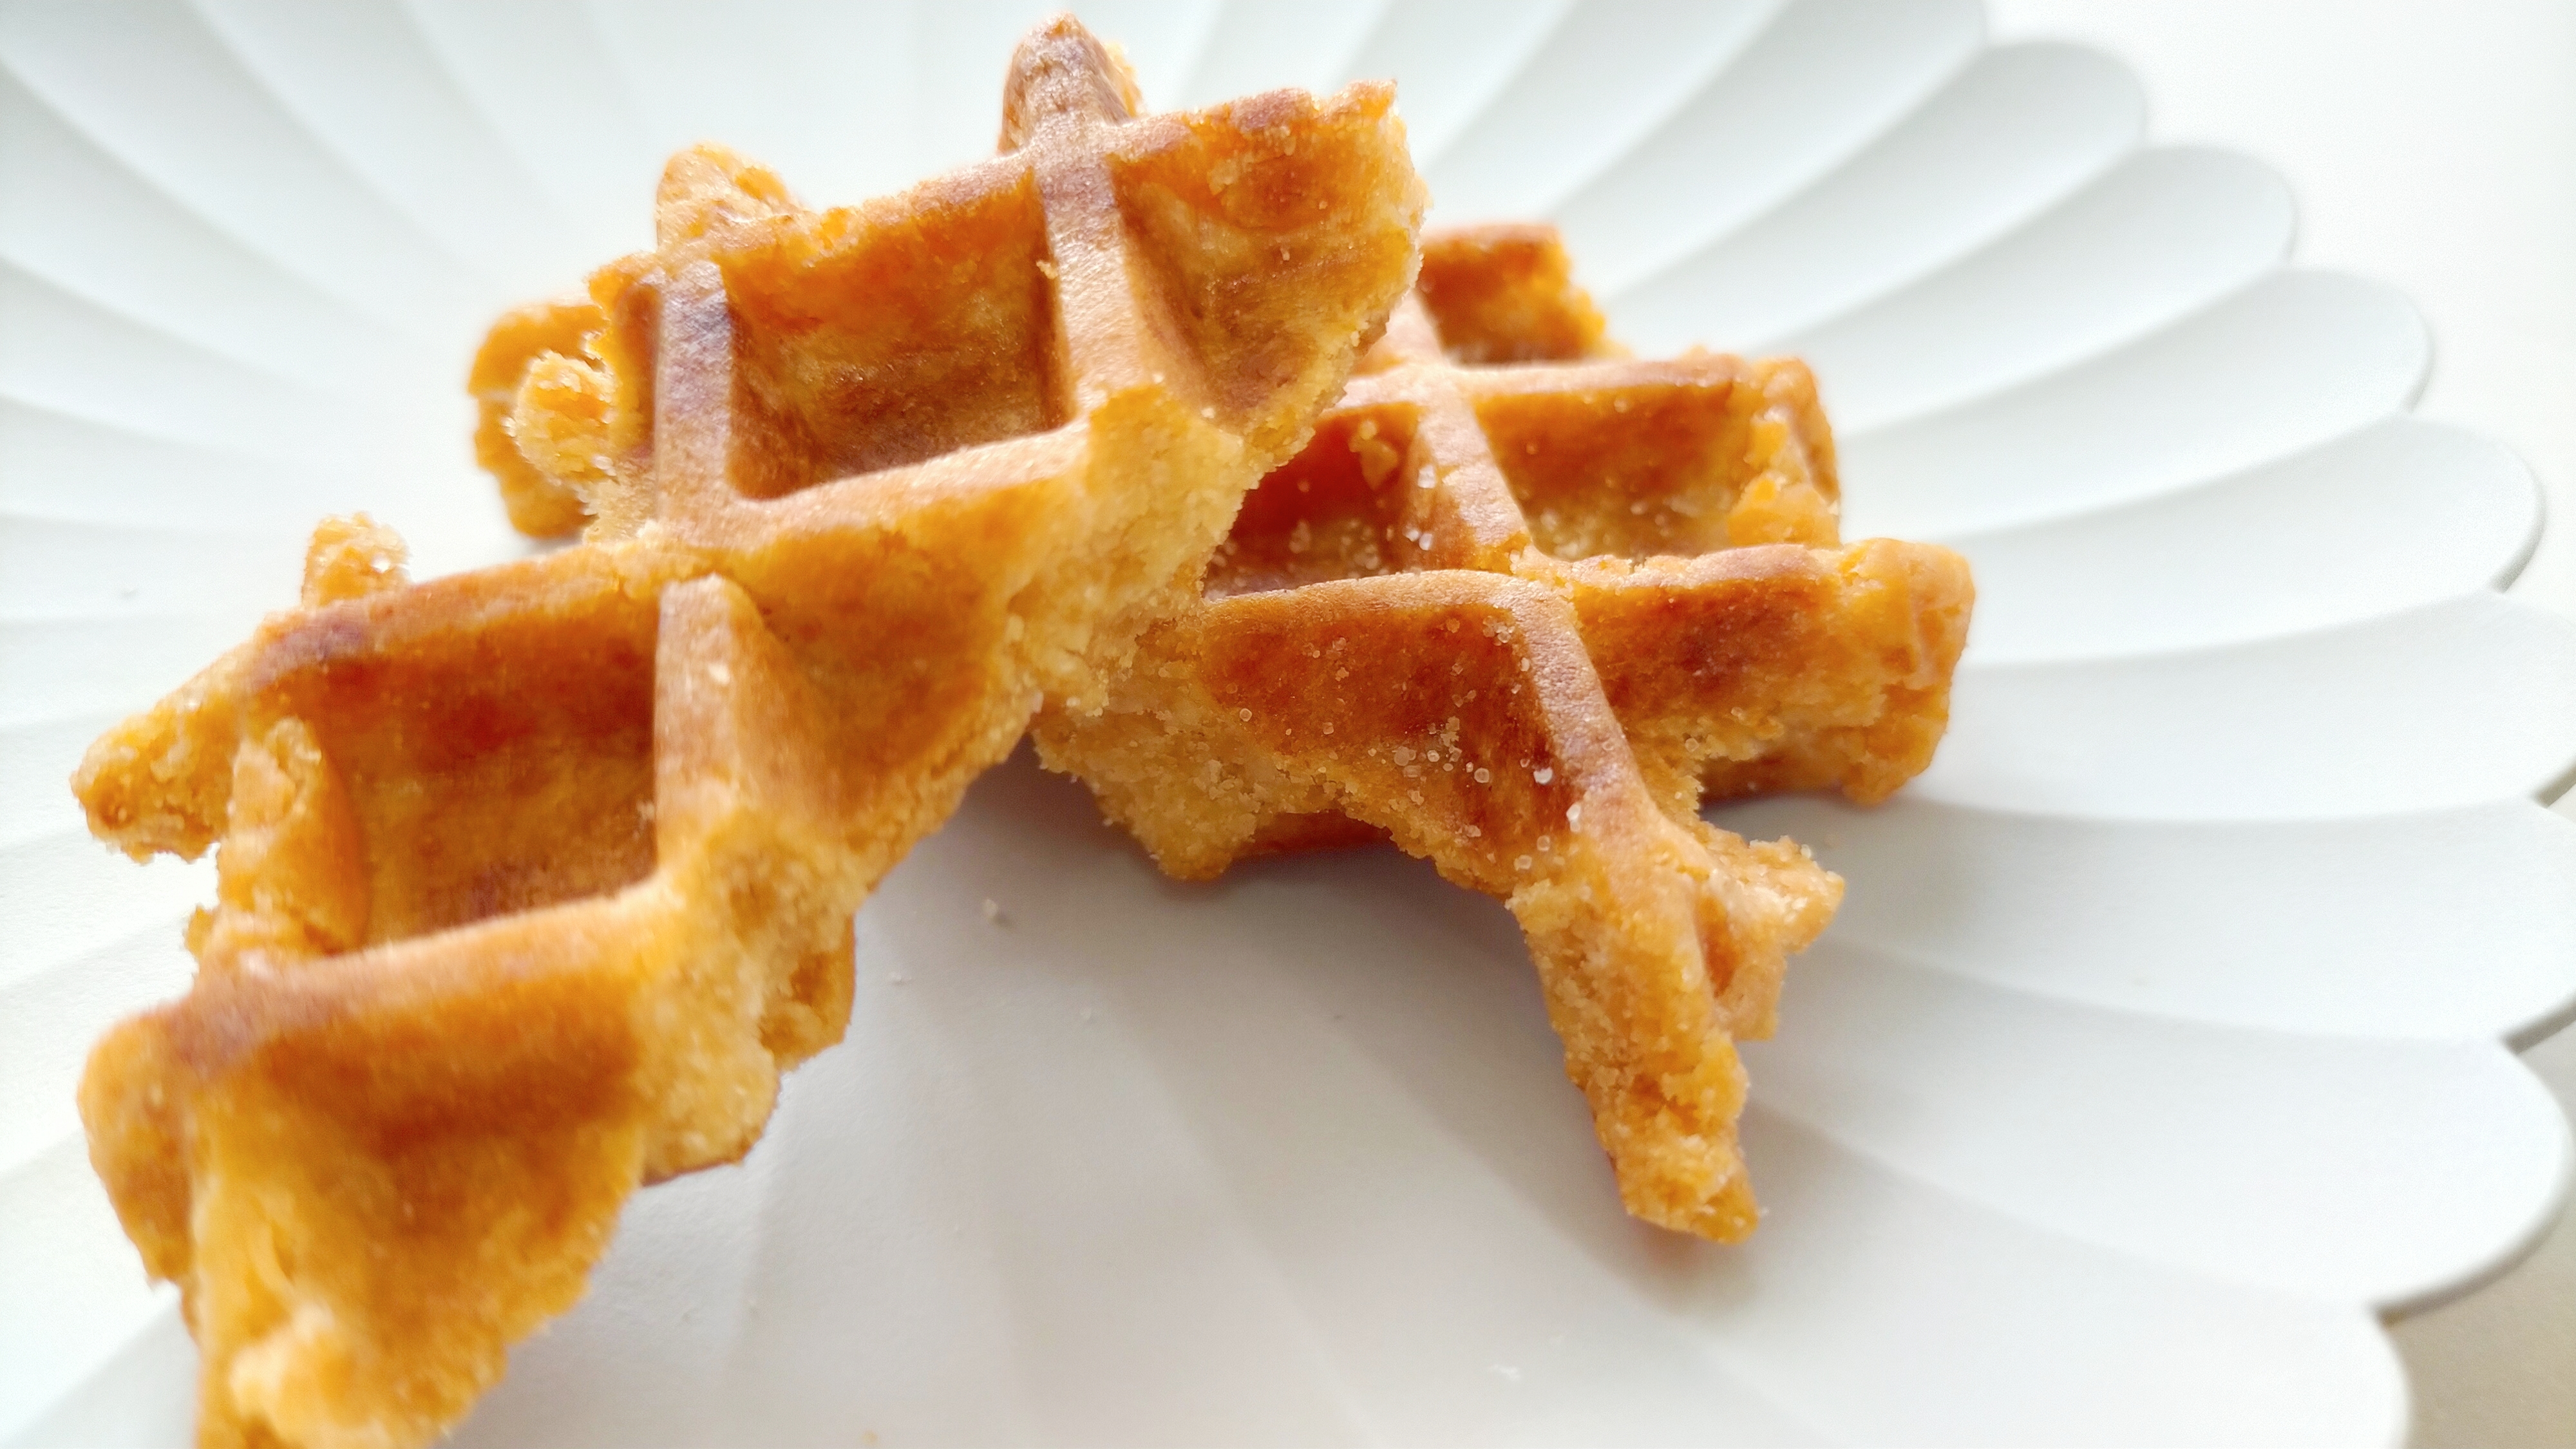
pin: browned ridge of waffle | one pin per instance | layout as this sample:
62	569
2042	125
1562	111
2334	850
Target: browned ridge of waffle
534	879
1519	617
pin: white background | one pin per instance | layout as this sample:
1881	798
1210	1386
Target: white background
2432	146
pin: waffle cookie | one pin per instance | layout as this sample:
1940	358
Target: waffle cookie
1519	617
533	880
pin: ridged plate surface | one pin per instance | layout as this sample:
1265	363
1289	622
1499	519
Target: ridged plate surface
2161	1046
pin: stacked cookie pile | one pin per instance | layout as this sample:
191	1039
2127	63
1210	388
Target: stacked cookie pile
1144	433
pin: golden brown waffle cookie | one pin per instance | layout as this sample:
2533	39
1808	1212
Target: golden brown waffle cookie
533	880
1504	615
1205	257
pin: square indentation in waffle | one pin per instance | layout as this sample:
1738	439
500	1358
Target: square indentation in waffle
1635	466
495	753
860	347
1349	505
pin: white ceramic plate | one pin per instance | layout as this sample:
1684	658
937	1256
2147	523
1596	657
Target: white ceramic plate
2160	1047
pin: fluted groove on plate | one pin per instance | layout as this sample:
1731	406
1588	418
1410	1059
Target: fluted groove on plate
2294	360
1252	47
535	73
402	123
132	472
1446	73
1899	1274
89	227
838	98
1608	73
2341	927
49	1021
154	87
2399	514
66	354
2453	703
2161	235
60	1247
2007	138
135	478
1821	82
2152	1127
